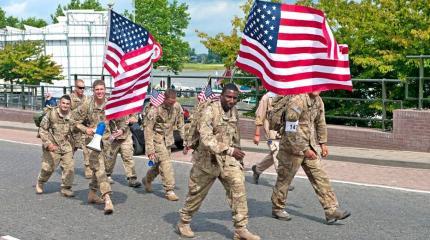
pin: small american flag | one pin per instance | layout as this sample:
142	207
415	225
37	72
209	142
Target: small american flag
292	50
206	94
130	52
157	98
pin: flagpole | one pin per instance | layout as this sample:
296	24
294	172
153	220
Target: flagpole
110	6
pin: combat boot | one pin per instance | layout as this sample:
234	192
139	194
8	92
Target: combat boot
184	230
93	198
39	187
67	192
171	196
88	172
255	175
108	204
338	214
244	234
132	182
147	185
281	215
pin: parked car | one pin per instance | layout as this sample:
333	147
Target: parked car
138	135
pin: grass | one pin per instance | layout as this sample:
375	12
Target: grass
203	67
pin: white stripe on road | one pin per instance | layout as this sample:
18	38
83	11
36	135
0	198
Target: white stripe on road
274	174
7	237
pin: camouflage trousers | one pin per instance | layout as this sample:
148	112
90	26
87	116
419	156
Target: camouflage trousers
163	166
125	148
97	165
270	159
81	142
50	161
287	169
200	182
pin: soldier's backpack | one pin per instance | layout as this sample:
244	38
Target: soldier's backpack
38	116
276	115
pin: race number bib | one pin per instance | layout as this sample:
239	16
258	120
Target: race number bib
291	126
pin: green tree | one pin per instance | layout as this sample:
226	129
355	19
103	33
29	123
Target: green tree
34	22
24	62
167	22
76	5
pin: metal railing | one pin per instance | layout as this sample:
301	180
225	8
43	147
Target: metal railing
379	96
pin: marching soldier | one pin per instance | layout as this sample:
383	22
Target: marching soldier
218	155
159	124
57	146
305	124
122	143
78	98
92	111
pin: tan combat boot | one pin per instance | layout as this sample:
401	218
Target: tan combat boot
108	204
93	198
338	214
244	234
171	196
67	192
39	187
147	185
88	172
184	230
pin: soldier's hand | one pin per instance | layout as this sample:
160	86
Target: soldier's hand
117	133
324	150
238	154
256	139
310	154
131	120
185	150
90	131
52	147
152	156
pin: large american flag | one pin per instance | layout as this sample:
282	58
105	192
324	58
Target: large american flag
130	52
292	50
157	98
206	94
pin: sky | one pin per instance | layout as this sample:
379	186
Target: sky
209	16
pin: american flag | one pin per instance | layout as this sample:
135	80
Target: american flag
130	52
157	98
206	94
292	50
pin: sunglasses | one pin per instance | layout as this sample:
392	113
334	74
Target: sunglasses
81	88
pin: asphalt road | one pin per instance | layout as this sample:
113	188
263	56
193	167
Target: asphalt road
376	213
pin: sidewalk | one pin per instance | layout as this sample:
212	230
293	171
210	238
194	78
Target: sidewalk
392	158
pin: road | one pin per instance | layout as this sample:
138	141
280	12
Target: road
377	213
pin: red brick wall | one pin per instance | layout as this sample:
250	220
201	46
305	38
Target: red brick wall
16	115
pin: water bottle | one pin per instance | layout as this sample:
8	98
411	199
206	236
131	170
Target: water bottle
150	163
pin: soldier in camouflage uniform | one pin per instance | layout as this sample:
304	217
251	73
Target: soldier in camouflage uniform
122	143
159	124
93	112
57	146
218	156
78	98
305	125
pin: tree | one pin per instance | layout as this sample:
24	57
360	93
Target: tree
7	20
24	62
167	22
76	4
34	22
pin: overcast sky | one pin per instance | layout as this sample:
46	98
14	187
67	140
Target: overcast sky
210	16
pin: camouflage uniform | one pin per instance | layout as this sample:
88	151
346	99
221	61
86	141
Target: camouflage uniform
94	114
80	138
159	124
264	106
219	135
305	125
57	129
122	144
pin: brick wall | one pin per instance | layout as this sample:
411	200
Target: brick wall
411	131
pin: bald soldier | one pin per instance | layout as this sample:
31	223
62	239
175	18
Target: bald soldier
305	129
93	112
218	156
159	124
77	98
57	146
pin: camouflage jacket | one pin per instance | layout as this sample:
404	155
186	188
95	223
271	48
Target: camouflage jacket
76	101
92	113
305	124
264	106
120	124
219	135
159	124
56	128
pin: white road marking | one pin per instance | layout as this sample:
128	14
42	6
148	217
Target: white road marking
7	237
274	174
